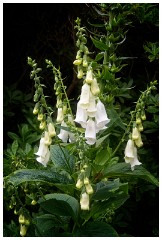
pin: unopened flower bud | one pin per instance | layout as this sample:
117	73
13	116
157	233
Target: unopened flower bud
34	202
84	201
77	61
89	188
51	130
89	77
21	219
140	127
40	117
80	74
23	230
79	184
138	120
135	133
42	125
60	115
86	181
94	87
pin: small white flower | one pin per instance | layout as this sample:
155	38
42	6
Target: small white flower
90	133
131	154
91	110
43	153
84	97
81	116
84	201
60	115
101	115
63	135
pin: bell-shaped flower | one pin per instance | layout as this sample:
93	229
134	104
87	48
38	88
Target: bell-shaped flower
91	110
135	133
129	150
89	76
63	135
131	154
43	153
101	115
138	141
60	115
51	130
84	97
89	188
90	133
81	116
94	87
99	129
84	201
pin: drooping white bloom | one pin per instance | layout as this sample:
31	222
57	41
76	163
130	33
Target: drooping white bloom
60	115
94	87
84	97
63	135
84	201
90	133
131	154
101	115
43	153
91	110
81	116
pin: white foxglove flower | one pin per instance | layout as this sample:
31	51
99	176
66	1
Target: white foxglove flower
84	97
101	115
91	110
64	135
81	116
90	133
94	87
43	153
99	129
60	115
129	150
131	154
84	201
51	130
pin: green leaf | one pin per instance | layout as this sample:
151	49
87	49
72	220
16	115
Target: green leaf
152	109
100	45
102	157
97	229
13	136
108	189
124	170
60	204
99	56
115	119
14	147
62	159
35	175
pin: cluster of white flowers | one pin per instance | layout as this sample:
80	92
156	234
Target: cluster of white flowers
45	141
91	113
131	148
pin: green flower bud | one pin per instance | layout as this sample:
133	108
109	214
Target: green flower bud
34	202
23	230
21	219
40	117
42	125
77	62
80	74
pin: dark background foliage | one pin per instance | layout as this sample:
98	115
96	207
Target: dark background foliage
47	31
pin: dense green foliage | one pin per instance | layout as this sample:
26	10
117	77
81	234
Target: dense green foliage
122	43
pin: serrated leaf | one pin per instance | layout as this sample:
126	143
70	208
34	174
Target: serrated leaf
124	170
60	204
99	56
62	159
100	45
36	175
97	229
